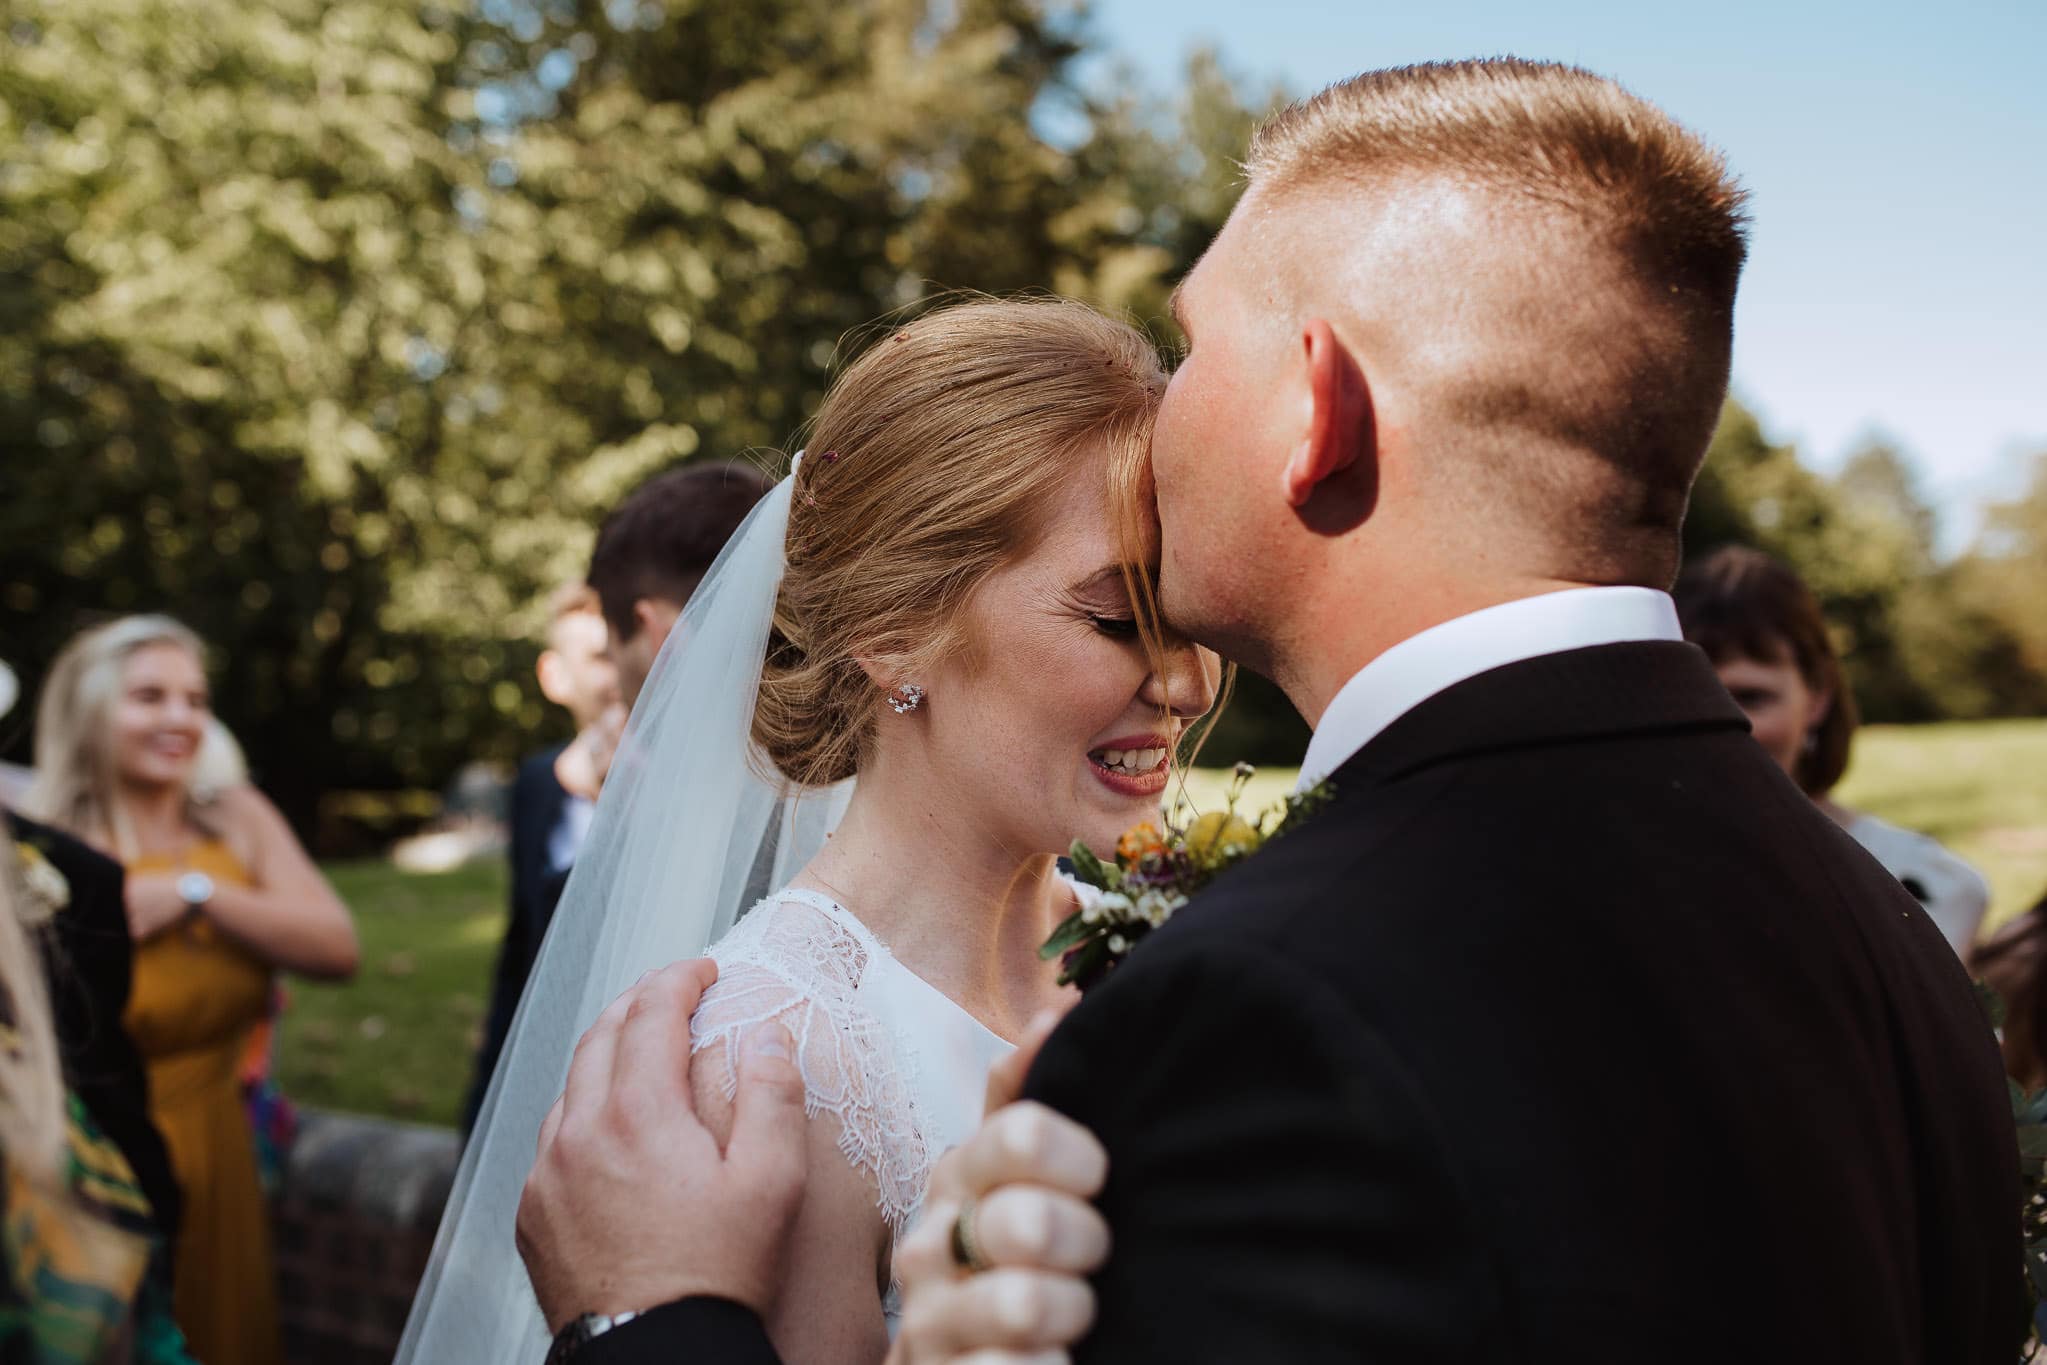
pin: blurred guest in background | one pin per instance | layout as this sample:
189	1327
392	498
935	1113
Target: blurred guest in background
70	898
655	548
553	798
651	553
81	1279
2010	962
220	897
1762	627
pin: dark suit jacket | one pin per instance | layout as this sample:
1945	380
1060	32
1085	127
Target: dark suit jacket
538	800
1570	1031
89	960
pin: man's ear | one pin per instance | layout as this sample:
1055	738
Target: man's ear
654	617
1338	427
554	680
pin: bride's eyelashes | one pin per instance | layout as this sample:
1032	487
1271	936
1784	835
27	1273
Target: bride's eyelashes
1115	627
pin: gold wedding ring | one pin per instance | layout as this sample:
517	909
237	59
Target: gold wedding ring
966	1247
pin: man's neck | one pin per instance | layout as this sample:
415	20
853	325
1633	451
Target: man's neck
1347	629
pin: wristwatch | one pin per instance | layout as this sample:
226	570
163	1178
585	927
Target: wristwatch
195	889
581	1332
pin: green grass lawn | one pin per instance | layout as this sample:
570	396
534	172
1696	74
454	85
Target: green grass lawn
399	1039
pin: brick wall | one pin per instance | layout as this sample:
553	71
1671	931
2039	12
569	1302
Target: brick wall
356	1216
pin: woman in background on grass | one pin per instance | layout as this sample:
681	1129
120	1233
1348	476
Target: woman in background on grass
220	899
1762	627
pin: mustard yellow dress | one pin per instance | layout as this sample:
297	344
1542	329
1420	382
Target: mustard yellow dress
197	997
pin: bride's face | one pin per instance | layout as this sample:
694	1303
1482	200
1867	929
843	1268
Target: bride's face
1056	716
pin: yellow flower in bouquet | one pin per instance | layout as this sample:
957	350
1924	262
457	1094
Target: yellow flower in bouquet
1221	834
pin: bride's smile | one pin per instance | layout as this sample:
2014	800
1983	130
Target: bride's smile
1134	765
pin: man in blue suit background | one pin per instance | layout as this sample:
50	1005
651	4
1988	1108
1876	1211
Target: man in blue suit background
553	798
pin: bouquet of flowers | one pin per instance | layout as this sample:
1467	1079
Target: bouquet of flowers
1157	868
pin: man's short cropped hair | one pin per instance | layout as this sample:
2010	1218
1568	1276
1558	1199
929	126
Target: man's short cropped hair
1604	283
663	538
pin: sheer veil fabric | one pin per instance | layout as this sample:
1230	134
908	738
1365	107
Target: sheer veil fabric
690	830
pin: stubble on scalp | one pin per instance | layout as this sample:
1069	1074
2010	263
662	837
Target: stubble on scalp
1542	268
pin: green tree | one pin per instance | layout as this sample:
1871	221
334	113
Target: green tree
1882	480
223	235
1855	552
2002	578
334	327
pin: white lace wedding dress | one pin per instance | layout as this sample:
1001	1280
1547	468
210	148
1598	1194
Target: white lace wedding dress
900	1066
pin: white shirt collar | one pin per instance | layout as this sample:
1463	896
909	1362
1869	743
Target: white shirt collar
1422	665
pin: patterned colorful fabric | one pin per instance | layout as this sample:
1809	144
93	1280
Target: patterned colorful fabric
77	1286
272	1118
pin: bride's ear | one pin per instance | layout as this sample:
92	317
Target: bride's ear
885	671
1336	444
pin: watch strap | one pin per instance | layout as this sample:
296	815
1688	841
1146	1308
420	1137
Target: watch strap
699	1331
581	1331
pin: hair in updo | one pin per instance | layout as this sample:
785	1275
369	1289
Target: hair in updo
930	463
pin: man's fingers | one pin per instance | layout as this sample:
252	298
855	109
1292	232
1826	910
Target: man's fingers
925	1256
1014	1310
652	1053
549	1126
1024	1225
590	1068
766	1148
1026	1143
1006	1077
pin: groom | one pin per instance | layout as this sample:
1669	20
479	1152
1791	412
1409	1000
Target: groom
1569	1030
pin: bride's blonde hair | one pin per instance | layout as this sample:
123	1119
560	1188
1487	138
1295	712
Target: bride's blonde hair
930	464
75	778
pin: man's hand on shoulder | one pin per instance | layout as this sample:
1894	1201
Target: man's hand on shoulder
631	1204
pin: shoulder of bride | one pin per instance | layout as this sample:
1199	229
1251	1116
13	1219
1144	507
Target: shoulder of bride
1156	868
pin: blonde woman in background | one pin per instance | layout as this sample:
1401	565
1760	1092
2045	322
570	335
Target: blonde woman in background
220	898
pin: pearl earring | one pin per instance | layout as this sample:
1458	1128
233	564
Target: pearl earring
905	699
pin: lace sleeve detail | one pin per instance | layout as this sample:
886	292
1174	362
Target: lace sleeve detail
801	966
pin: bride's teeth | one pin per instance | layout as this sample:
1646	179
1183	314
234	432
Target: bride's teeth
1130	760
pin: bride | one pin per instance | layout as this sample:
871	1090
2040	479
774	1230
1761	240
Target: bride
964	669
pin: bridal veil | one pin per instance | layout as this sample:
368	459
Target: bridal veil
691	828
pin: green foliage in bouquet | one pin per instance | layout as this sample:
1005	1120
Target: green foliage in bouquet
1157	870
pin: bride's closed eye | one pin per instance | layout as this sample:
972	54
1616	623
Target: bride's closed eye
1116	627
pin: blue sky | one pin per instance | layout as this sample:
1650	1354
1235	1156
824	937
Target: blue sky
1897	155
